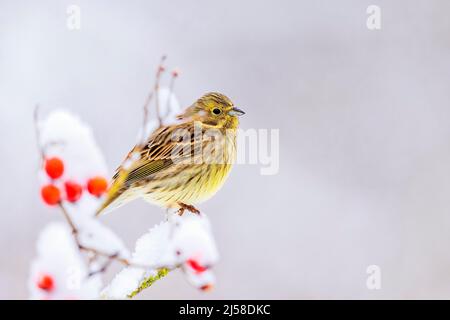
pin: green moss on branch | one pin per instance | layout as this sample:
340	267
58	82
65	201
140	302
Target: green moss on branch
147	282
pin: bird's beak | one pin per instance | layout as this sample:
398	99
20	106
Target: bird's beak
236	112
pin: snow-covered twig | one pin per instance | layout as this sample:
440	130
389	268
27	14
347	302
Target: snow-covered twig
75	232
149	281
184	243
115	256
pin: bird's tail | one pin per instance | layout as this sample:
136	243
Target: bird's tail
117	194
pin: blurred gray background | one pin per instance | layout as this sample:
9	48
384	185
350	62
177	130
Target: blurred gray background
364	134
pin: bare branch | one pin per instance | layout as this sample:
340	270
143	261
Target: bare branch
174	74
104	267
154	91
160	70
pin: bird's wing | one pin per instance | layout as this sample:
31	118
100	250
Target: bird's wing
158	154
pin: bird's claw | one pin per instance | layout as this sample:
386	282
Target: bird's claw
187	207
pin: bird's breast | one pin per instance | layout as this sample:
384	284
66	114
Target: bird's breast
196	181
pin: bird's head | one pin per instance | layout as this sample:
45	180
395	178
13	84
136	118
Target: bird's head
214	110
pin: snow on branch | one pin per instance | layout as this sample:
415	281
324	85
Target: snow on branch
72	257
59	270
184	242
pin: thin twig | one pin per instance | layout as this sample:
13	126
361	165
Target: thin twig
104	267
160	70
174	75
96	252
69	220
152	92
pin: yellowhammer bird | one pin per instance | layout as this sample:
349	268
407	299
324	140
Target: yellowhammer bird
182	164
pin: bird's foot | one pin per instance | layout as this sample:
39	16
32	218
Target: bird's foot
187	207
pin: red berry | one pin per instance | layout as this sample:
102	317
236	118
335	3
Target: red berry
197	267
97	186
73	191
207	287
45	282
54	167
50	194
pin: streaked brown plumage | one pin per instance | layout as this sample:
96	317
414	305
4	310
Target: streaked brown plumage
181	164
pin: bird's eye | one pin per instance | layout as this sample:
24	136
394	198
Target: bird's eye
216	111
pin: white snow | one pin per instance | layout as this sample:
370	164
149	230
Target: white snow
124	283
64	135
93	234
58	257
169	244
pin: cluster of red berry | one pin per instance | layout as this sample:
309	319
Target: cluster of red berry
51	194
